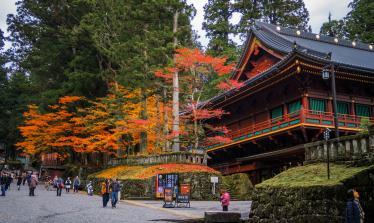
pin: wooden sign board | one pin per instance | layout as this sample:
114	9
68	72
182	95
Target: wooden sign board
168	198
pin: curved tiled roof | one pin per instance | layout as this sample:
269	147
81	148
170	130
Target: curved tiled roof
359	56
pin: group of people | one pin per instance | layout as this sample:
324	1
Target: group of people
6	180
58	183
109	190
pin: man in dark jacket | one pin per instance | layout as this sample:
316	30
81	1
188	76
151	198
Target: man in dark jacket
3	181
354	212
115	188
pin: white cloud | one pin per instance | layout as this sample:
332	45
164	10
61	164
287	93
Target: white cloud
6	7
319	11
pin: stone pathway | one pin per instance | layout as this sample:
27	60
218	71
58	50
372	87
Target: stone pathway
197	208
18	207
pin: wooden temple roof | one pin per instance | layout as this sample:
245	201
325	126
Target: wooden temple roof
291	44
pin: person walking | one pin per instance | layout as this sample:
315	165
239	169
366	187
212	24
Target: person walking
3	180
67	185
76	184
23	178
105	190
89	189
55	179
353	211
9	180
225	200
19	182
115	188
60	185
32	185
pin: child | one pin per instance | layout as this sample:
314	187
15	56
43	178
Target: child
89	188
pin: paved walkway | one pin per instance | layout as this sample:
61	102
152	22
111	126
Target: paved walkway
18	207
197	208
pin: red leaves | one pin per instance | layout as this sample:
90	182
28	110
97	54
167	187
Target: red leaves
140	122
219	139
200	114
229	84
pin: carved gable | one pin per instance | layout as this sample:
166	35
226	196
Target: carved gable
257	60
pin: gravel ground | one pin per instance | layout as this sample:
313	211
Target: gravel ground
18	207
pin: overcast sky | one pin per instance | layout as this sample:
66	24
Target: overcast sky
318	10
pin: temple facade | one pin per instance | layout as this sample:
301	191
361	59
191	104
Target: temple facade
285	102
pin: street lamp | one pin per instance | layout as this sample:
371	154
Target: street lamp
327	73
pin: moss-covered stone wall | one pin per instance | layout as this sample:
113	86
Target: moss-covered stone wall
201	187
314	204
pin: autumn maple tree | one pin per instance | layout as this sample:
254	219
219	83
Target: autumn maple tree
195	69
108	125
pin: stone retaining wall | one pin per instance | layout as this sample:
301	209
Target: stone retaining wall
201	187
177	157
358	149
312	204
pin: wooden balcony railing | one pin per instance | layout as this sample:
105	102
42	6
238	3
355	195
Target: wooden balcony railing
302	116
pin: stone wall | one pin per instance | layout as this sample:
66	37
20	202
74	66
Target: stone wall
177	157
357	149
312	204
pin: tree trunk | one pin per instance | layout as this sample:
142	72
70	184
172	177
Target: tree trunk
143	115
166	120
175	127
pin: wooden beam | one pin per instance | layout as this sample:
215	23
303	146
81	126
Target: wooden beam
305	135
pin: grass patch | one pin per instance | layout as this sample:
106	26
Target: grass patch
143	172
313	175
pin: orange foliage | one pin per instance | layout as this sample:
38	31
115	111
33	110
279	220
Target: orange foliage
141	172
104	126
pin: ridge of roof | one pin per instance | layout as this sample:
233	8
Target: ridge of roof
316	37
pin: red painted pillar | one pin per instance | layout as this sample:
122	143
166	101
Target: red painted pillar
305	107
353	112
285	110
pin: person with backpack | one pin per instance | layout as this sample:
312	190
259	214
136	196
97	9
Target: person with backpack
105	190
67	185
32	185
60	185
353	211
76	184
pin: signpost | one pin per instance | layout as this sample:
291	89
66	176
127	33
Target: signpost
168	198
184	196
214	180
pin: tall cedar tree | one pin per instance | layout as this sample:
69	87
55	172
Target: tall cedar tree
287	13
135	38
217	14
50	47
360	20
15	91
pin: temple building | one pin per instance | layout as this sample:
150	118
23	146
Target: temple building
285	102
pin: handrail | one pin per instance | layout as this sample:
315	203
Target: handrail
303	115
